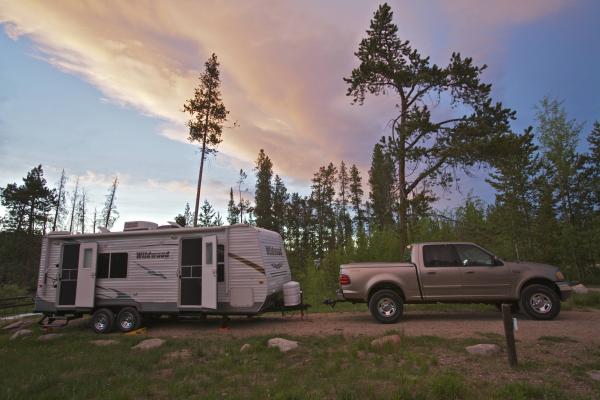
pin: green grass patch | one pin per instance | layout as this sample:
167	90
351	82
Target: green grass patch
322	367
590	300
557	339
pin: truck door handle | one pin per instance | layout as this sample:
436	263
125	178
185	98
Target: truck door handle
430	272
469	272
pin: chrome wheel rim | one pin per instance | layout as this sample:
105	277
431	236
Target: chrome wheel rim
101	322
386	307
127	321
540	303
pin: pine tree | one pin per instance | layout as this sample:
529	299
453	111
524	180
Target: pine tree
381	180
208	114
431	148
185	219
344	220
207	214
30	204
514	182
233	213
356	194
280	199
263	197
322	202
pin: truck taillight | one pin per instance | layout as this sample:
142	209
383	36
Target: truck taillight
344	279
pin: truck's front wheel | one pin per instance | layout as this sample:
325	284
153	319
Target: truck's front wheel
540	302
386	306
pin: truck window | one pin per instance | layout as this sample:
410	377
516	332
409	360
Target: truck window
439	255
473	256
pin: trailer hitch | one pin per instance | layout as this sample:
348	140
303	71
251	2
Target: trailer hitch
330	302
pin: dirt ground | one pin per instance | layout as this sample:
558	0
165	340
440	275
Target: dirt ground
584	327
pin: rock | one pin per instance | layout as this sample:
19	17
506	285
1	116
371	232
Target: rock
19	333
245	347
284	345
149	344
103	342
594	374
580	289
49	336
379	342
483	349
16	325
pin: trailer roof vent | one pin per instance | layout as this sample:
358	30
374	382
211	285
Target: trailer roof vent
139	226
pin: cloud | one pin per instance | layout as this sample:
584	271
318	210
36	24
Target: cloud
282	63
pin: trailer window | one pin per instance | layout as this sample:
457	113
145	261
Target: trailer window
191	252
111	265
102	265
220	263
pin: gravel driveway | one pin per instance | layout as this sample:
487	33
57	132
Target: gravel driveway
581	326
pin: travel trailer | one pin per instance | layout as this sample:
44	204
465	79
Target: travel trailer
147	269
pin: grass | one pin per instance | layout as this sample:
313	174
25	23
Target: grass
322	367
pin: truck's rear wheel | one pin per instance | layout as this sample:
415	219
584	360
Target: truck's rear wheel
540	302
103	320
129	319
386	306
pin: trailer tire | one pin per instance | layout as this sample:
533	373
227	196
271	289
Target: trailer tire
386	306
540	302
129	319
103	320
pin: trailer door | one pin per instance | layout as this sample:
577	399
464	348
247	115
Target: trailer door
86	276
209	272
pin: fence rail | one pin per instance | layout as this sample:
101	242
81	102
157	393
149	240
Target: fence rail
16	305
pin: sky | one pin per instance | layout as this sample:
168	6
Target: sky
98	87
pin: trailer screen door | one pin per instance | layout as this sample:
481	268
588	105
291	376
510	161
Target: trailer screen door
209	272
86	277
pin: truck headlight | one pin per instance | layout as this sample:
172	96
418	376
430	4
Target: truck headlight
559	276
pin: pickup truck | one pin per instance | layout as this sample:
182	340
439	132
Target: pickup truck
452	272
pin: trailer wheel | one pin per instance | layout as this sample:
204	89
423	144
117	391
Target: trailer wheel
540	302
103	320
129	319
386	306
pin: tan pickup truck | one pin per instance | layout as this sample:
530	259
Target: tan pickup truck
452	272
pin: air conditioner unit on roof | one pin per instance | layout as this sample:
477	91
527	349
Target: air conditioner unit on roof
139	226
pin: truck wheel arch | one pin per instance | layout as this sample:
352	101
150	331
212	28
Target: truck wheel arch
385	285
538	281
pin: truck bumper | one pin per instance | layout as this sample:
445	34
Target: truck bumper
339	295
565	289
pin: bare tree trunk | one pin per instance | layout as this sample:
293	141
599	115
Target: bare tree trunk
73	205
199	181
61	189
111	203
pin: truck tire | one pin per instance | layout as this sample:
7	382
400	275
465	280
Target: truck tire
386	306
539	302
129	319
103	320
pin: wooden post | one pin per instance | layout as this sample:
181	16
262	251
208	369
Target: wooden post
511	348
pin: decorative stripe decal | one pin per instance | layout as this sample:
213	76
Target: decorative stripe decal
248	263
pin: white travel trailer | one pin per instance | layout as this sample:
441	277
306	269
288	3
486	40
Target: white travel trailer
149	269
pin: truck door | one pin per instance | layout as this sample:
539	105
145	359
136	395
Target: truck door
440	275
482	276
209	272
86	276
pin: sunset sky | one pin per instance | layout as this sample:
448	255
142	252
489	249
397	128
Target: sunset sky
97	87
